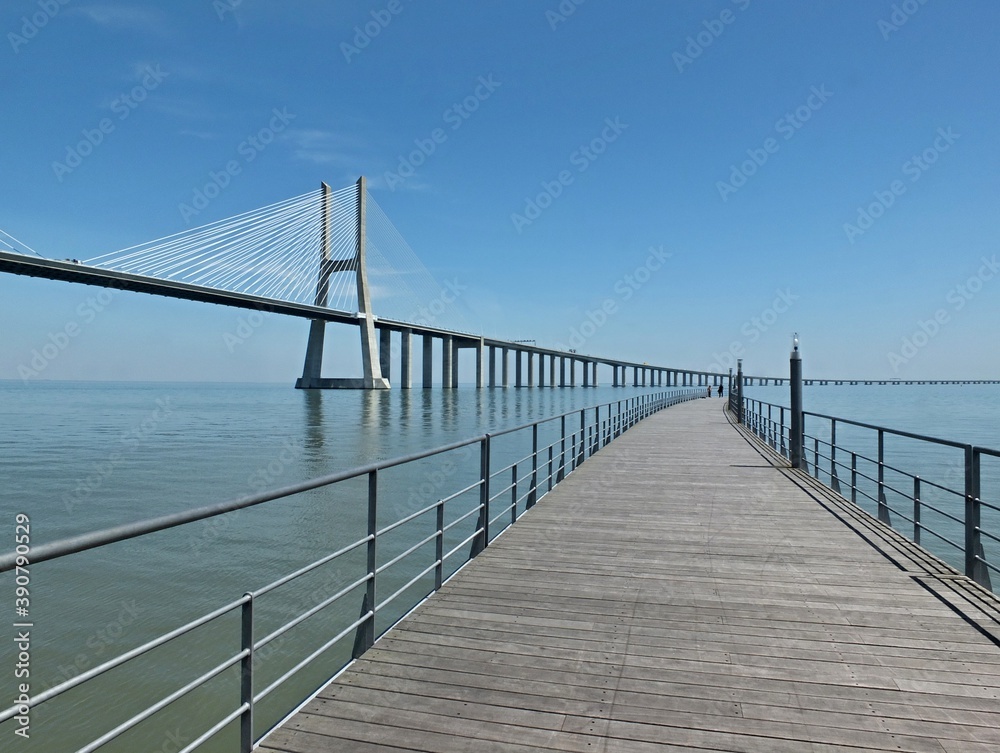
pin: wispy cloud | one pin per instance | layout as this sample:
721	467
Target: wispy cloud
323	147
148	20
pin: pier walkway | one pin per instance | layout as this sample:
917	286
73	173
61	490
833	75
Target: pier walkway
683	591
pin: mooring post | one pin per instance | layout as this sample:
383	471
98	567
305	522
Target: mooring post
795	438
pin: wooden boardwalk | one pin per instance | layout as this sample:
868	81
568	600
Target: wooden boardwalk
683	591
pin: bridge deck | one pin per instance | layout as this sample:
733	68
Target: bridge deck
680	592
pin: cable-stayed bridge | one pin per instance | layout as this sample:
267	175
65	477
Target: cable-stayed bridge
324	256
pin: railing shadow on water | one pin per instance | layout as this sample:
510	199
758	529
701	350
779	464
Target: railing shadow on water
415	537
941	494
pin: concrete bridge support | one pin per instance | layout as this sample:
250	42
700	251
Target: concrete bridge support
428	362
506	367
480	365
385	351
493	366
447	353
405	370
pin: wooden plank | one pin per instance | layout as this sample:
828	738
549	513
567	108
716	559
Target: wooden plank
683	590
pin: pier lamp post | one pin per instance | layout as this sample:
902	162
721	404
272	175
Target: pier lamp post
739	390
795	438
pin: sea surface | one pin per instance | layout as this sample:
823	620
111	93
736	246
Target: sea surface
79	457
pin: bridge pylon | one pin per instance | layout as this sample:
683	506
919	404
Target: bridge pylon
372	378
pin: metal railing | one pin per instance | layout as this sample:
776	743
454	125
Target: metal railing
499	496
959	510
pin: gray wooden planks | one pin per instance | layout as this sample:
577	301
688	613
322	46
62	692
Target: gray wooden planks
683	590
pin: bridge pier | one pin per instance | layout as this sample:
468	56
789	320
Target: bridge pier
562	371
405	372
541	369
447	353
517	369
493	366
531	369
586	373
506	367
552	371
480	354
428	362
454	361
593	380
385	351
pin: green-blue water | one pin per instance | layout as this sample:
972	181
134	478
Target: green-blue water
78	457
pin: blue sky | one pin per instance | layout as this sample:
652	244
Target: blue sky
829	168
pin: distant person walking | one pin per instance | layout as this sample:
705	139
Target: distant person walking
720	390
710	390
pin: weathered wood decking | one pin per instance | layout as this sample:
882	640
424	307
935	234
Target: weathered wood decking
682	591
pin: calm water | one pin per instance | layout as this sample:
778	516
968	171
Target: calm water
78	457
82	456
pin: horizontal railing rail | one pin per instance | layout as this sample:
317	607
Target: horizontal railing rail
868	480
572	437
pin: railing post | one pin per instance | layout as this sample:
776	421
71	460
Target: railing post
439	547
366	630
784	447
562	450
975	556
834	481
816	457
854	478
484	490
513	493
533	494
549	474
916	510
246	675
583	428
883	508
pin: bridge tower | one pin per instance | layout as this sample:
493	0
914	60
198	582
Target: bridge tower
372	379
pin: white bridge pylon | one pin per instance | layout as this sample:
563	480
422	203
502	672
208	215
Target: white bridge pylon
312	368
